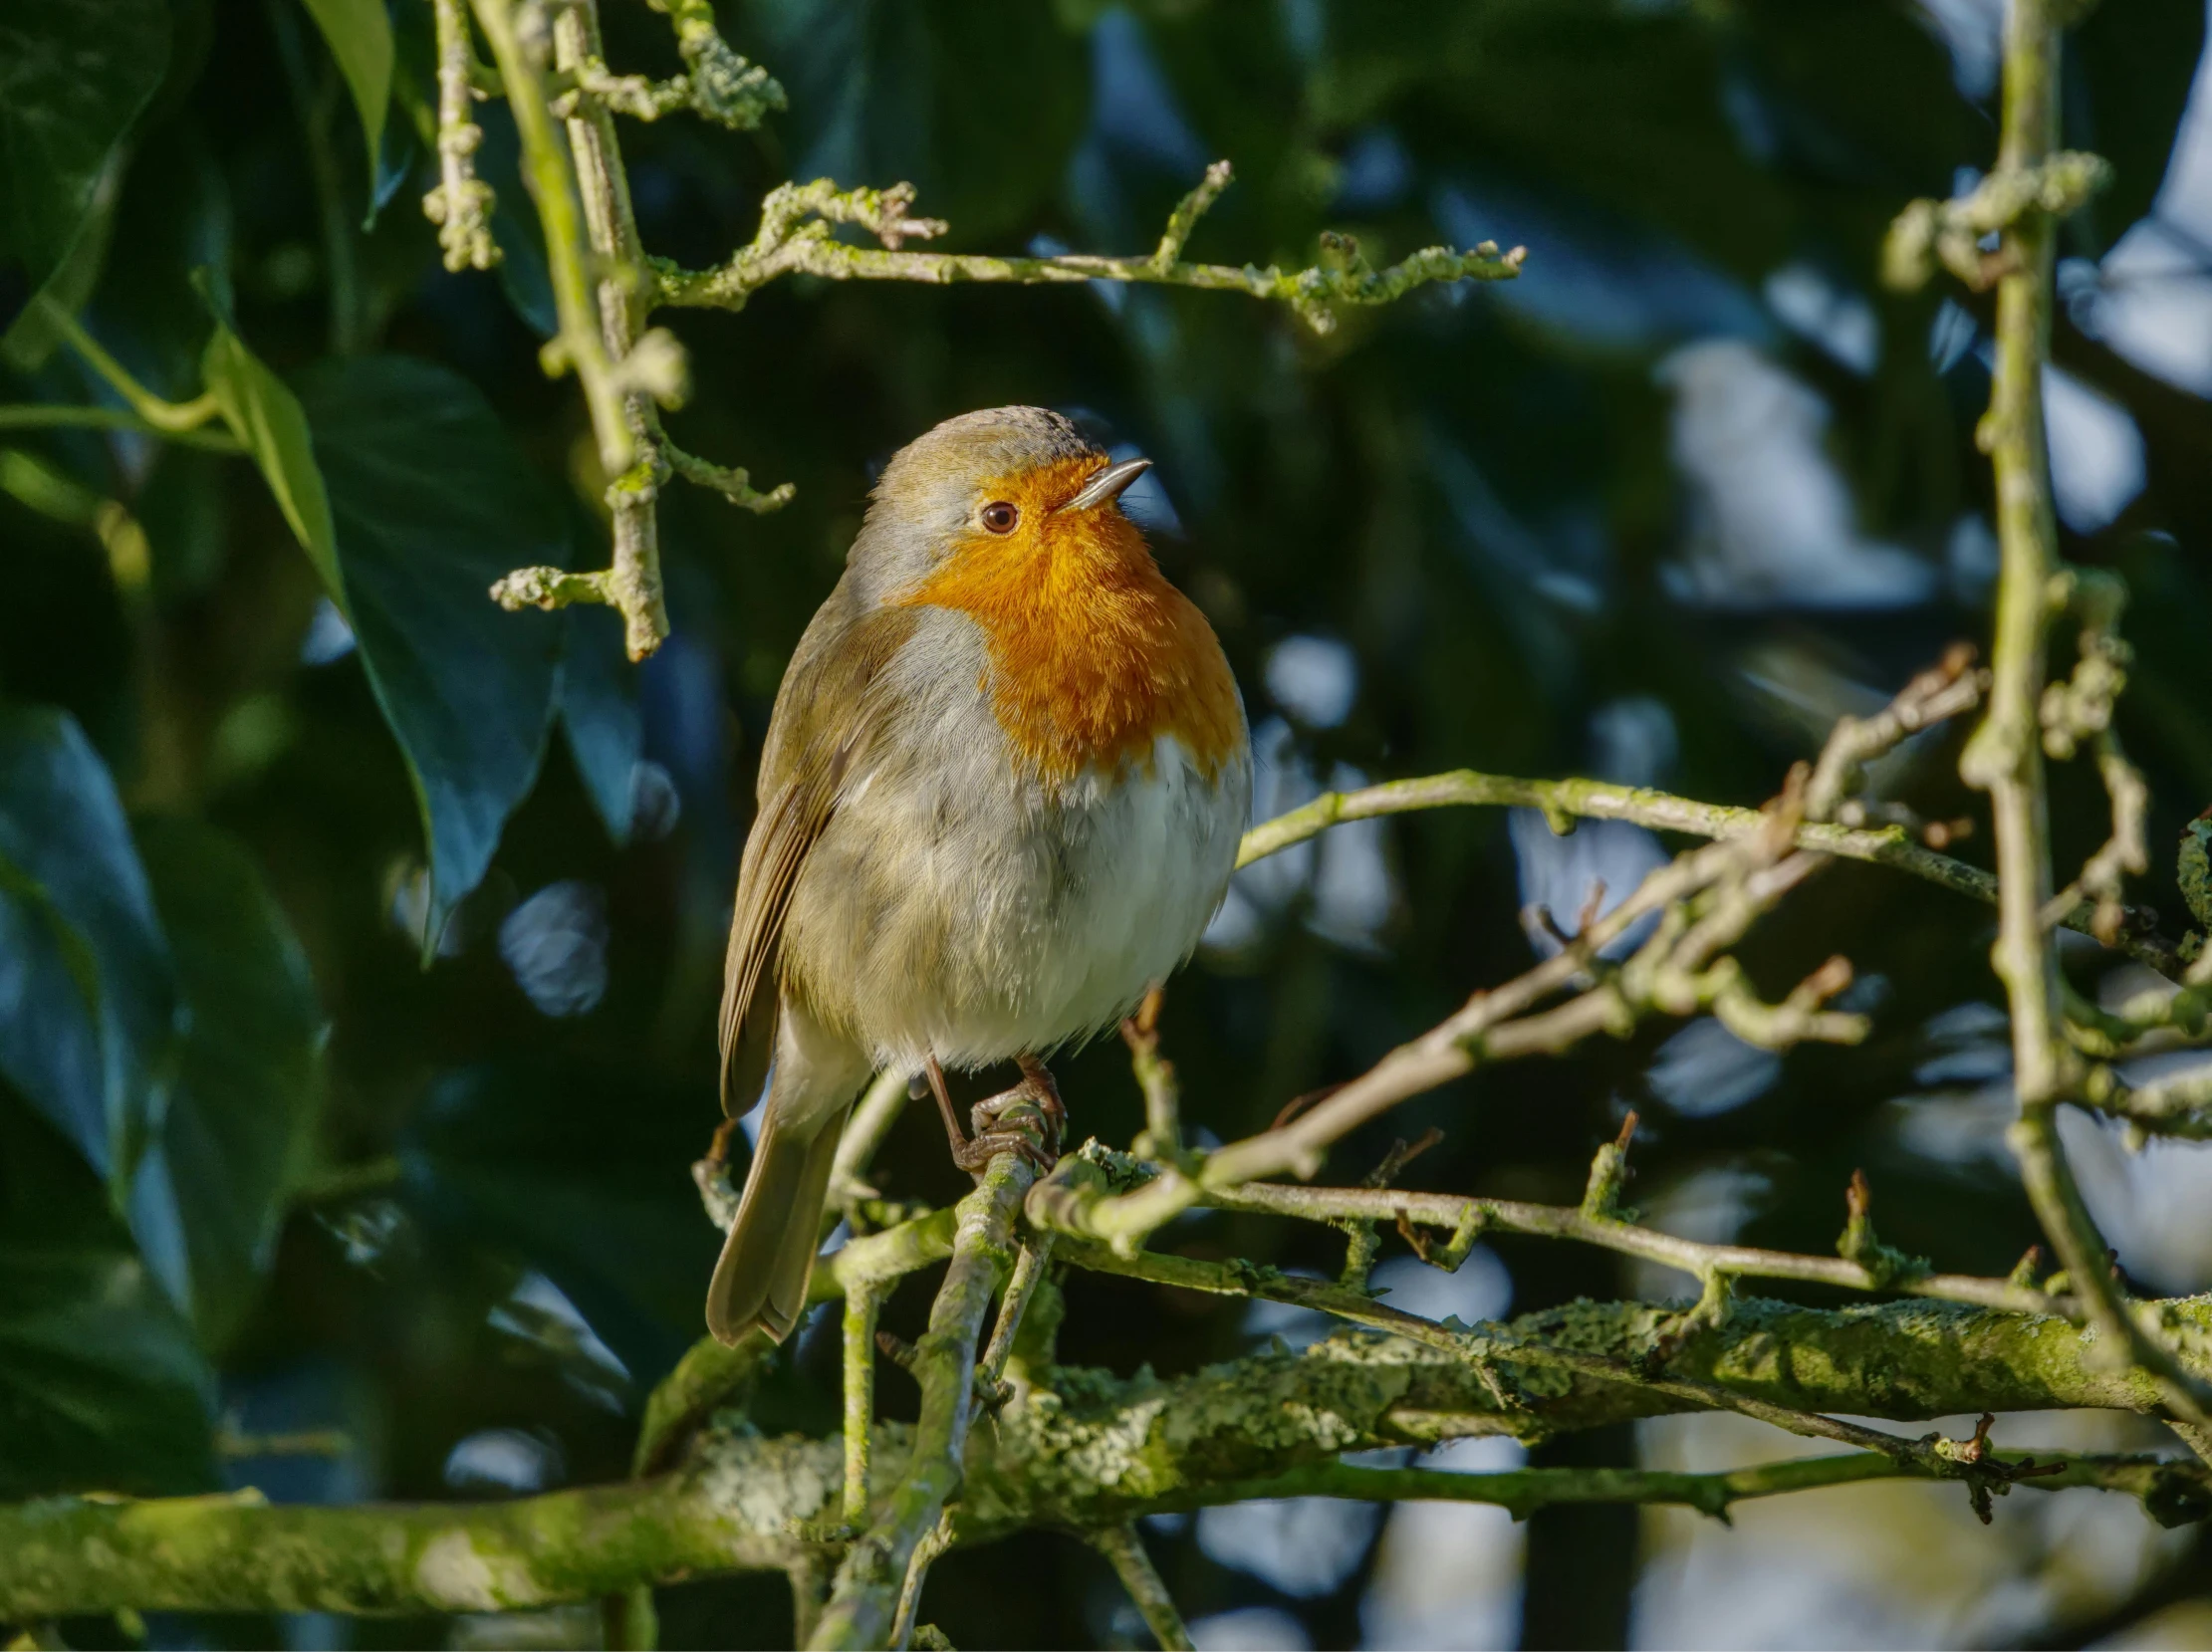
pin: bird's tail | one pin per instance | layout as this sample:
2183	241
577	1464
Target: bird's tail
769	1254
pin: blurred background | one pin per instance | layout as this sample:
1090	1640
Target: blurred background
418	1222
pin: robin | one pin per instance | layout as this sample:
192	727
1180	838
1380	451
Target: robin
1000	796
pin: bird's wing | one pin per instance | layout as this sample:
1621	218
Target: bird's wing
827	715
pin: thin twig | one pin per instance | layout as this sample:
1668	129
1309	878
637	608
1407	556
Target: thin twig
1155	1077
1706	899
461	204
549	177
1887	845
1123	1550
794	237
864	1132
1453	1213
2005	757
860	1307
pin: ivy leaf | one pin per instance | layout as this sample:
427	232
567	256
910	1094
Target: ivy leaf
73	74
265	416
432	502
358	34
241	1116
88	997
565	1162
102	1386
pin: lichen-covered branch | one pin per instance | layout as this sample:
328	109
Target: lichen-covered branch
1088	1450
794	237
865	1598
719	85
1467	1220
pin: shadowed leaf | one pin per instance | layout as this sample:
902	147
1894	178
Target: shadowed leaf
432	503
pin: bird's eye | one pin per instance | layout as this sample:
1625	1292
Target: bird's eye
1000	515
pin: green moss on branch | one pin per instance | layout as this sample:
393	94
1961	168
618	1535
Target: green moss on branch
1085	1452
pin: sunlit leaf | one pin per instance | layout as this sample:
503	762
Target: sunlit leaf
265	416
358	35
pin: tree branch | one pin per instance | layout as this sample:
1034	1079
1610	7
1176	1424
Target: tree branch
1093	1450
864	1599
1124	1551
794	237
1564	799
2005	756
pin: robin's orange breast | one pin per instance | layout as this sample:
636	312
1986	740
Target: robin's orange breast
1093	654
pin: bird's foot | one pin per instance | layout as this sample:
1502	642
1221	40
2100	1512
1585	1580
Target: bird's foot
1027	1120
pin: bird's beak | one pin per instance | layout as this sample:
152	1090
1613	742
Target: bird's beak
1107	484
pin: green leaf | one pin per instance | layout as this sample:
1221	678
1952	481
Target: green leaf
174	216
73	74
574	1165
434	502
34	335
242	1113
358	35
101	1387
87	998
265	416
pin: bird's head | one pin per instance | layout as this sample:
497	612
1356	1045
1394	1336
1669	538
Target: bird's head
1009	493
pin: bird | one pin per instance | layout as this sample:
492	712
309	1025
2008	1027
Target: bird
1000	798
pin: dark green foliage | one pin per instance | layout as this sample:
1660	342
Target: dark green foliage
102	1386
73	74
89	1038
247	1088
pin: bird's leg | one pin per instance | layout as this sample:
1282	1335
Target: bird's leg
989	1143
953	1133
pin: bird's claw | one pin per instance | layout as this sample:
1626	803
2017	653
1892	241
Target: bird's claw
1034	1131
987	1145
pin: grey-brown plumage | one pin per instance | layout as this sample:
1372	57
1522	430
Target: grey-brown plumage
915	889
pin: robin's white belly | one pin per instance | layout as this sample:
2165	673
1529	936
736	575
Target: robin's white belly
953	907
